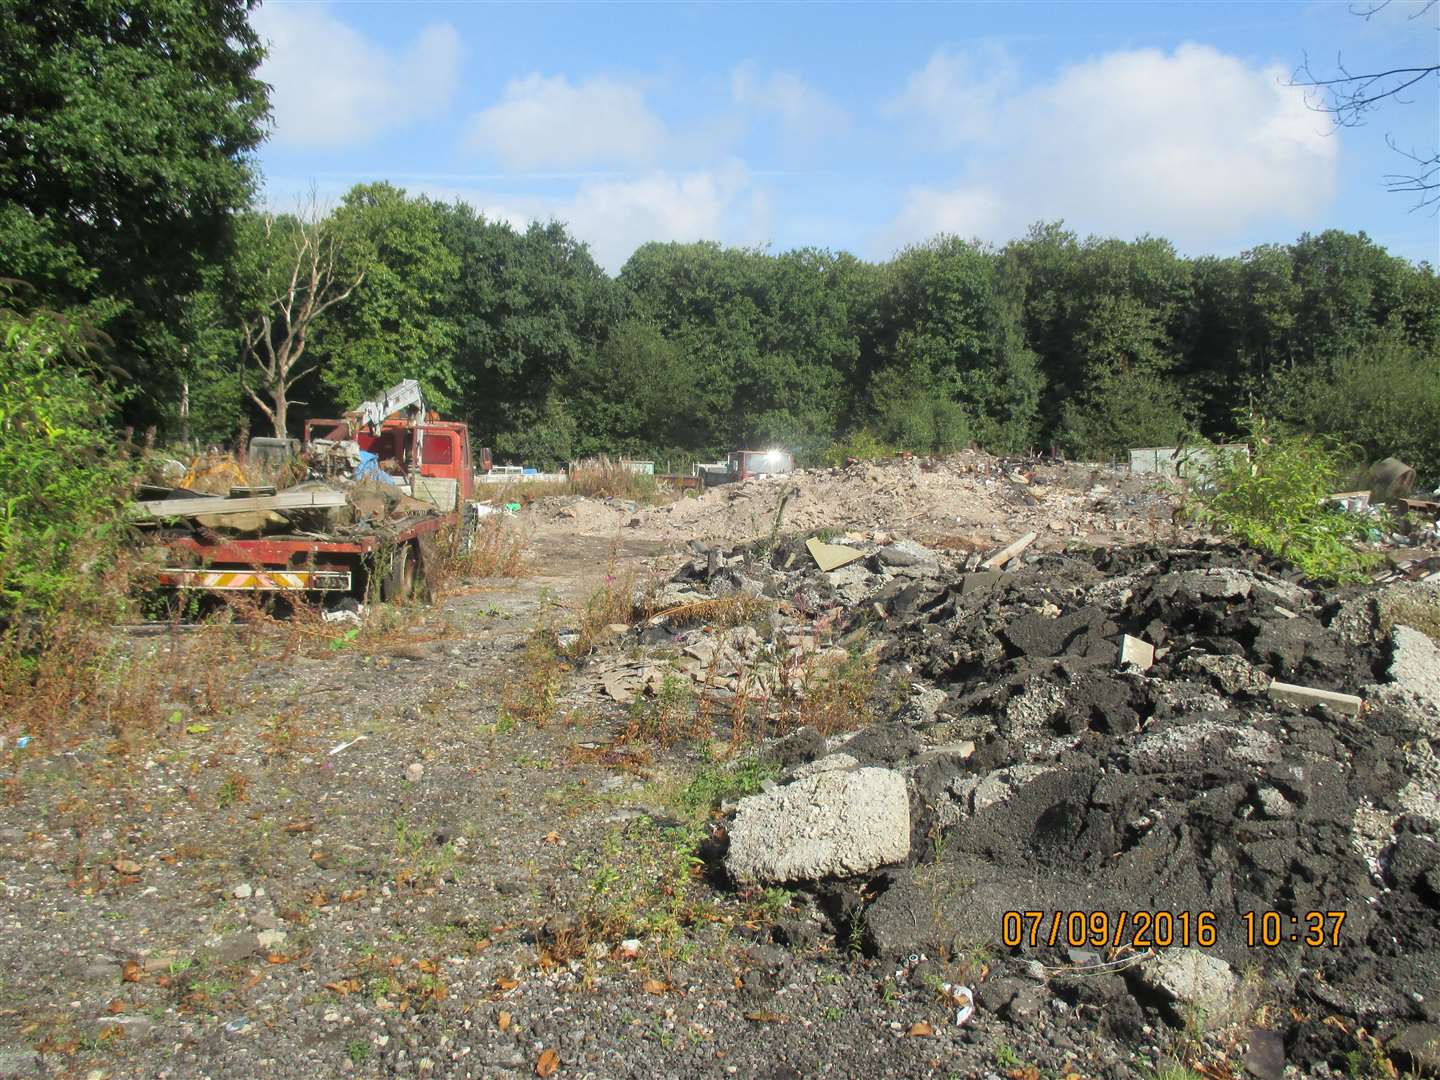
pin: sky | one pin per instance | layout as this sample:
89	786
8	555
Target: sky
859	127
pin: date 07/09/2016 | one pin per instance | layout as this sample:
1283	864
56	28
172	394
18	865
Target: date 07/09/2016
1162	929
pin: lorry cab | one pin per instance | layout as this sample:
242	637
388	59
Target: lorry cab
440	473
753	464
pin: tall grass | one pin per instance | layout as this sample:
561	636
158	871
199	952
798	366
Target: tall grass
594	478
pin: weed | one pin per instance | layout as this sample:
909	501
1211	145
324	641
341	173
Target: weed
827	692
641	884
860	445
620	599
358	1051
531	696
668	716
1007	1057
494	548
1273	501
234	790
594	478
1174	1071
713	784
831	1015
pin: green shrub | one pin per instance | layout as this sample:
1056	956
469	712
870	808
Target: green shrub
1274	501
862	445
62	480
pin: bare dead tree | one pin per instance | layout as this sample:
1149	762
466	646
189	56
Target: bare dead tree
1349	98
303	280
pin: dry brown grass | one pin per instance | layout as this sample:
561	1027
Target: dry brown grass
499	550
624	597
736	609
532	696
82	682
593	478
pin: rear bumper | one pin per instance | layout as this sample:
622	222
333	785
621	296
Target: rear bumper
257	580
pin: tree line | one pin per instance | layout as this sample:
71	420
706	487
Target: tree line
1087	346
128	200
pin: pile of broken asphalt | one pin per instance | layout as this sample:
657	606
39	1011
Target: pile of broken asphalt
1031	771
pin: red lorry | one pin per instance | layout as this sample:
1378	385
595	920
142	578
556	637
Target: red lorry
436	457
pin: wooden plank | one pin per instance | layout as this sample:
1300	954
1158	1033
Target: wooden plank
1306	696
1005	554
286	500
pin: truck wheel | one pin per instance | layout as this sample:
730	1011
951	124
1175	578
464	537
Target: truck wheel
399	583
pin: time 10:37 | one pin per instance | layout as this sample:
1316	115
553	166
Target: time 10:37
1269	929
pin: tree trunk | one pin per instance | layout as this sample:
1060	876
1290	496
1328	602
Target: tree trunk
185	413
282	404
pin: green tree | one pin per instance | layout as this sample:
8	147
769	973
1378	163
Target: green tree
395	325
528	308
629	396
951	361
125	133
61	480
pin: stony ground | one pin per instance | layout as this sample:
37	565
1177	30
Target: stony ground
361	854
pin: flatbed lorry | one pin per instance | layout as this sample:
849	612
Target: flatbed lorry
389	553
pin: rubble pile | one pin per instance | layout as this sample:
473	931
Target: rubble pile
968	496
1103	735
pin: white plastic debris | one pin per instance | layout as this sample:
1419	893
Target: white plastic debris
966	998
346	745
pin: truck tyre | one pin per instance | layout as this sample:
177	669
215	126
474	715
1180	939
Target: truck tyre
398	584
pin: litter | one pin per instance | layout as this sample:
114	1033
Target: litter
346	745
966	999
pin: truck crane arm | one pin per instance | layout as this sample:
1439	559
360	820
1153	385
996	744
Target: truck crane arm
403	397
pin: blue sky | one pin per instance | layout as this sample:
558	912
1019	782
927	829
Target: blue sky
860	126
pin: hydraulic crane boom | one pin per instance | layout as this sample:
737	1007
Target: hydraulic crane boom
402	397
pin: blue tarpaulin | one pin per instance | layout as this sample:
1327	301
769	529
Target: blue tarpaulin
370	466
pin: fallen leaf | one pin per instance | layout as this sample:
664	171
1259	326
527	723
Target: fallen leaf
197	729
125	866
552	837
344	986
352	896
251	981
482	944
764	1016
504	1021
130	972
654	986
429	967
300	826
115	1007
548	1063
506	984
921	1030
278	958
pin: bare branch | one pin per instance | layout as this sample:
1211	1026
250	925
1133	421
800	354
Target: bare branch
307	267
1349	97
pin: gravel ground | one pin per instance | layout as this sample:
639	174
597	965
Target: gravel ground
341	859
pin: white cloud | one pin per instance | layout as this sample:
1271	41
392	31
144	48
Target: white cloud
548	122
615	216
805	114
957	94
335	87
1194	145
